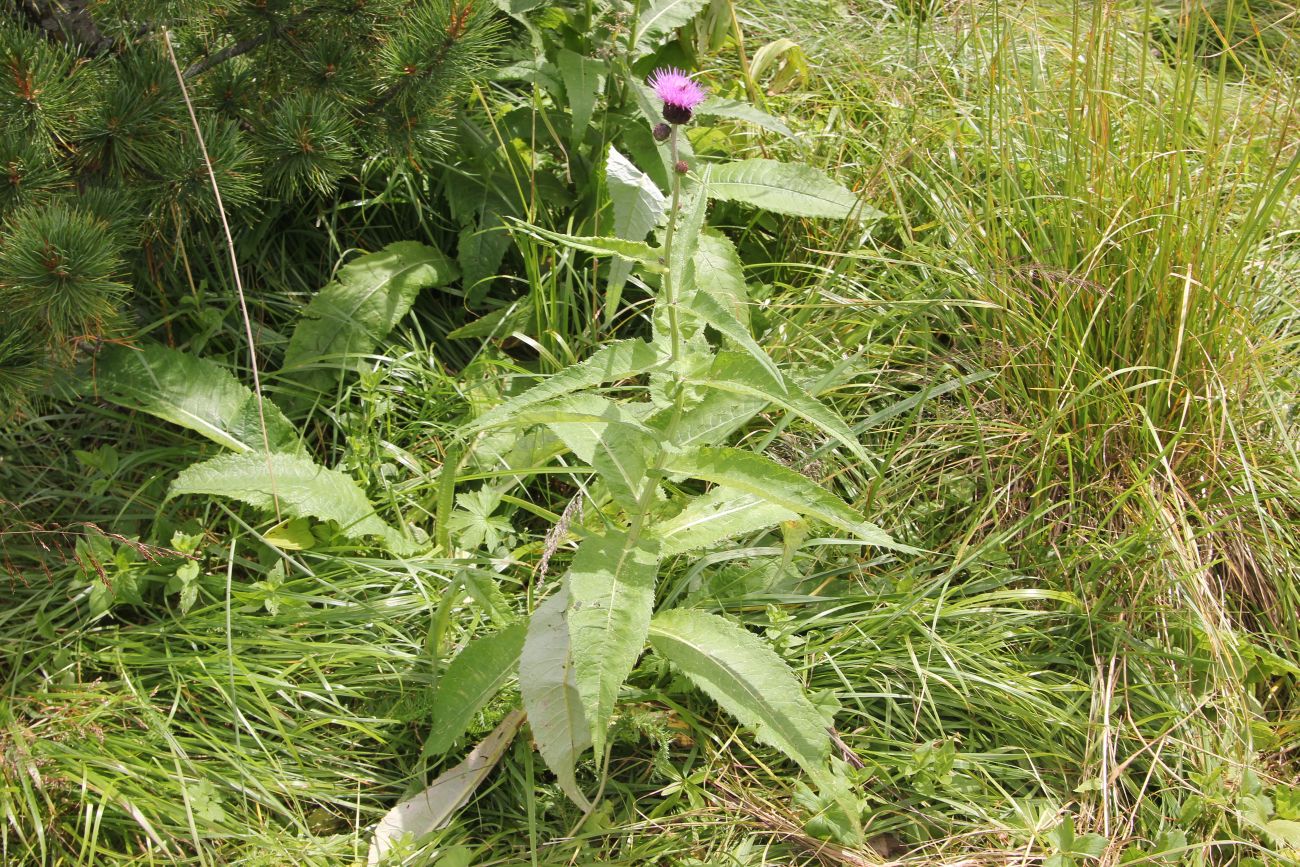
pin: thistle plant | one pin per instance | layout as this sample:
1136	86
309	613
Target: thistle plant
650	422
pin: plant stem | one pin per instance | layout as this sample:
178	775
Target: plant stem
670	291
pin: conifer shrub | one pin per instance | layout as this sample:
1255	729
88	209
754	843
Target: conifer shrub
102	175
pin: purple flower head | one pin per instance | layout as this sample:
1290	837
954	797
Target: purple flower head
679	93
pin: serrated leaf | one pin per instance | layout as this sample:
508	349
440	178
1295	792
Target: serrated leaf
722	513
640	252
355	311
781	486
784	188
477	674
717	416
686	238
718	271
708	308
550	694
638	207
664	16
611	596
741	374
479	250
610	363
584	79
746	677
302	487
433	808
716	106
194	393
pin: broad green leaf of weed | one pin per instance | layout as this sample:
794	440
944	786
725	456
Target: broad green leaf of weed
611	595
550	694
741	673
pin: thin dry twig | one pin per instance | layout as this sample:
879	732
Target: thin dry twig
234	268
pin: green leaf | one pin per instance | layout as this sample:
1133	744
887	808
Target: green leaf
744	675
722	513
598	245
610	363
584	79
766	479
785	188
355	311
741	374
686	238
664	16
716	106
611	591
719	273
433	808
477	673
302	487
194	393
638	207
717	416
707	307
479	250
550	693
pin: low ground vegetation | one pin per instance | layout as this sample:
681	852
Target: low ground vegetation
911	479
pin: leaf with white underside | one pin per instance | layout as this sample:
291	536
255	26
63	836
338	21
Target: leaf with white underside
664	16
610	363
358	308
611	596
781	486
433	808
744	675
477	673
550	693
722	513
303	488
741	374
638	207
785	188
194	393
717	106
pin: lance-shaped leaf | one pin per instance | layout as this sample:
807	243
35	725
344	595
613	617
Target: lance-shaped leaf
722	513
361	305
638	207
604	434
718	272
640	252
664	16
611	592
433	808
708	308
550	693
303	489
741	374
781	486
584	79
477	673
743	674
717	106
610	363
785	188
194	393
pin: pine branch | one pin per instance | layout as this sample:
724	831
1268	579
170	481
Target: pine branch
69	20
244	46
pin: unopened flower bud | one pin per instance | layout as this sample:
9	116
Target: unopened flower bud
681	167
662	131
